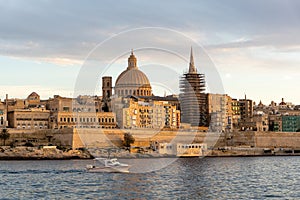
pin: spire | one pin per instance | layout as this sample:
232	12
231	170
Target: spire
132	61
192	68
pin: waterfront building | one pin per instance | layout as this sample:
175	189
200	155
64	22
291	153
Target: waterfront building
275	123
132	81
80	112
220	112
236	113
259	122
182	150
33	100
146	112
290	123
193	100
3	118
13	104
242	114
246	109
31	118
65	119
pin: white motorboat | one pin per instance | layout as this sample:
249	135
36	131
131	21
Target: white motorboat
108	165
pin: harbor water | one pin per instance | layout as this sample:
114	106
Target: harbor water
184	178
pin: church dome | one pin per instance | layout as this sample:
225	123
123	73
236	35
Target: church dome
132	77
132	81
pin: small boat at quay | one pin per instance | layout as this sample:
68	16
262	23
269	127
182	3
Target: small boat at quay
108	165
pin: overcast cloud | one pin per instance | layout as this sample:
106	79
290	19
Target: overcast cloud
236	34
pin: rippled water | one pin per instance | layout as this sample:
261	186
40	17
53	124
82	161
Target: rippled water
185	178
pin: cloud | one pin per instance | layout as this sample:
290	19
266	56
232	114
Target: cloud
44	92
69	29
249	37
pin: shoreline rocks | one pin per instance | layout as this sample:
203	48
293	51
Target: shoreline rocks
35	153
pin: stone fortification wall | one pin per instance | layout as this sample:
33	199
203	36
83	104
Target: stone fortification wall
103	138
277	139
56	137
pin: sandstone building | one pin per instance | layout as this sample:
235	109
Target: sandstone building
31	118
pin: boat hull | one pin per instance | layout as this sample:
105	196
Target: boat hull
105	169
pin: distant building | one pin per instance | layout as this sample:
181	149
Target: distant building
33	118
60	120
146	112
236	113
275	123
182	150
3	118
246	109
33	100
106	93
193	101
220	112
290	123
80	112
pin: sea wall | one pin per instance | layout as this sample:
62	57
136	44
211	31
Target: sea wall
221	144
143	138
278	139
57	137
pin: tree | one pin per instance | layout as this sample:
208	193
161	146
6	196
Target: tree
128	140
4	135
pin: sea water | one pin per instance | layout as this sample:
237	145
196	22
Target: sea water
184	178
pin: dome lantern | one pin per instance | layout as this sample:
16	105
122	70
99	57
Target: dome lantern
132	61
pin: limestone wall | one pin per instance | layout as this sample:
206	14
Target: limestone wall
143	137
57	137
278	139
77	138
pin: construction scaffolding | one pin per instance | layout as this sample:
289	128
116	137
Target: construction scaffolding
193	100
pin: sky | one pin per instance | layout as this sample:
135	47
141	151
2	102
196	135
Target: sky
252	46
